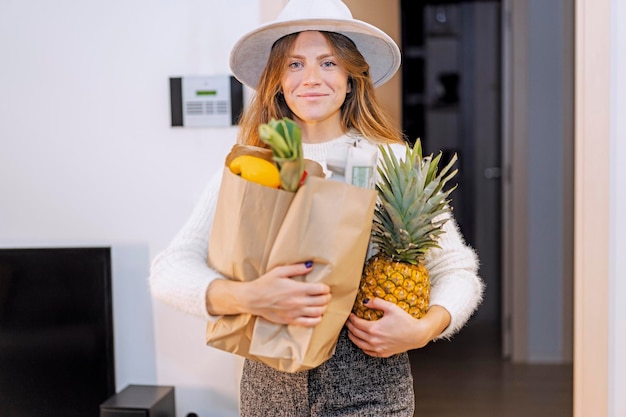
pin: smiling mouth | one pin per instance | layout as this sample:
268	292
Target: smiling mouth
312	95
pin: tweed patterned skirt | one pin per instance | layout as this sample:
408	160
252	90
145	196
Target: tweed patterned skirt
350	384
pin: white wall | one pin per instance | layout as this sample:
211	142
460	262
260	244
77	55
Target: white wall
87	157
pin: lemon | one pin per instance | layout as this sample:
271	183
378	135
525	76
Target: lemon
255	169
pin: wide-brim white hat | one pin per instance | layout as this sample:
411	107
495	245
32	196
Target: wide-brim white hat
249	55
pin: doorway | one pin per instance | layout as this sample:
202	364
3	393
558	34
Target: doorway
451	99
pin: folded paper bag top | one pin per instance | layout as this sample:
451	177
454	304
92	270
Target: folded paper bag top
311	167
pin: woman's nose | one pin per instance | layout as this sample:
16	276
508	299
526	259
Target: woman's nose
311	75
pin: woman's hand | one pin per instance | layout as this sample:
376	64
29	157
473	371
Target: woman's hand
397	331
275	296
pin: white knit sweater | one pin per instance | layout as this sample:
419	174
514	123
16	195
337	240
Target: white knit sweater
180	275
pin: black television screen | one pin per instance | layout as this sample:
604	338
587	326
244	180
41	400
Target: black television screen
56	332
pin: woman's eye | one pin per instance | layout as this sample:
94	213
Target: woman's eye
328	64
295	65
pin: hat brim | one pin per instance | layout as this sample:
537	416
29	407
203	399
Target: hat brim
249	55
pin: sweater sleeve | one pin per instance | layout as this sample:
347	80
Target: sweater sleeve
180	275
455	284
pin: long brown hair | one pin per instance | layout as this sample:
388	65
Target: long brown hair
361	109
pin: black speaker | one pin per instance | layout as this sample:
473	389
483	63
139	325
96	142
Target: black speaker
140	401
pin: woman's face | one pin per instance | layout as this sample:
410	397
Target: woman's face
313	83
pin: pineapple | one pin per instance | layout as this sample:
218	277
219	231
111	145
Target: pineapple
407	223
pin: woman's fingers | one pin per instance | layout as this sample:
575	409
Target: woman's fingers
307	321
281	299
300	269
353	327
293	270
317	300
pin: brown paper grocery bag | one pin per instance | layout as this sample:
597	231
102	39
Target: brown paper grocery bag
330	223
257	228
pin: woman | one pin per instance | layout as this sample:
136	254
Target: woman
319	66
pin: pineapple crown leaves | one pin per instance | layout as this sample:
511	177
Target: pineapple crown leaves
412	197
284	137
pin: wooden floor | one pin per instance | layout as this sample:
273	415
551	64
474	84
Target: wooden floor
467	377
